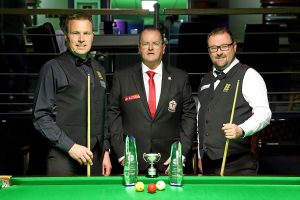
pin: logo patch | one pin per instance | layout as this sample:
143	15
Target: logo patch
132	97
172	106
103	84
99	75
226	87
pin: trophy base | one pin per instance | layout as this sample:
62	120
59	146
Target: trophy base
151	176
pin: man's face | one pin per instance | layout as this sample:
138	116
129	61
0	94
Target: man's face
221	58
151	48
80	37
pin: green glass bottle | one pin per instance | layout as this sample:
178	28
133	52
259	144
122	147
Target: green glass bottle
131	163
176	167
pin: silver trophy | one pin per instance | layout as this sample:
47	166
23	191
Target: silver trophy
151	158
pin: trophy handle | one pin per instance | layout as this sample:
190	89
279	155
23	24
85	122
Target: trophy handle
144	155
159	156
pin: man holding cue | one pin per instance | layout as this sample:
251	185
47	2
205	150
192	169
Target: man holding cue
70	108
217	92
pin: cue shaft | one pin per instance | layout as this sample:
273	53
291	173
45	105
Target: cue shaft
88	120
231	119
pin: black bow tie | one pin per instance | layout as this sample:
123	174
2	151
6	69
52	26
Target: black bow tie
79	62
220	75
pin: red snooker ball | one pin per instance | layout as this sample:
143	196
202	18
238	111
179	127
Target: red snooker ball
151	188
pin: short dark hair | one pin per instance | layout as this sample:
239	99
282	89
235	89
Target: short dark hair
77	16
220	30
152	28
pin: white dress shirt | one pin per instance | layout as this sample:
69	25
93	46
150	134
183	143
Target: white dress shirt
157	80
255	93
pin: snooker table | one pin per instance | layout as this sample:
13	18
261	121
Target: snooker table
111	188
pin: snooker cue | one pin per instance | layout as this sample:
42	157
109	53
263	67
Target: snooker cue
231	118
89	121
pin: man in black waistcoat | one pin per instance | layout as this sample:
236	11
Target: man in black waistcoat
60	106
216	94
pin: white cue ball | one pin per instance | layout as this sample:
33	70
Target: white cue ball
160	185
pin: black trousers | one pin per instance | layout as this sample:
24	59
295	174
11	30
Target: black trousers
61	164
240	164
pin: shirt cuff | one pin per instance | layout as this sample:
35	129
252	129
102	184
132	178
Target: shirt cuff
120	159
66	144
244	131
183	160
106	144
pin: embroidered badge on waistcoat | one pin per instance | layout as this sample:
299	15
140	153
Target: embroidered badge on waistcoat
103	84
226	87
172	106
99	74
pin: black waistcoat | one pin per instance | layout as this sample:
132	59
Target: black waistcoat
215	110
72	103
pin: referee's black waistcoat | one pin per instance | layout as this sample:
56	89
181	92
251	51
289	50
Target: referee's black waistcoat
215	110
71	102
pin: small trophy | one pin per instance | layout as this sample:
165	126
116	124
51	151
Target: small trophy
151	158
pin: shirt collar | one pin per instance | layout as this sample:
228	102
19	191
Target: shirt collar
74	57
157	70
232	64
